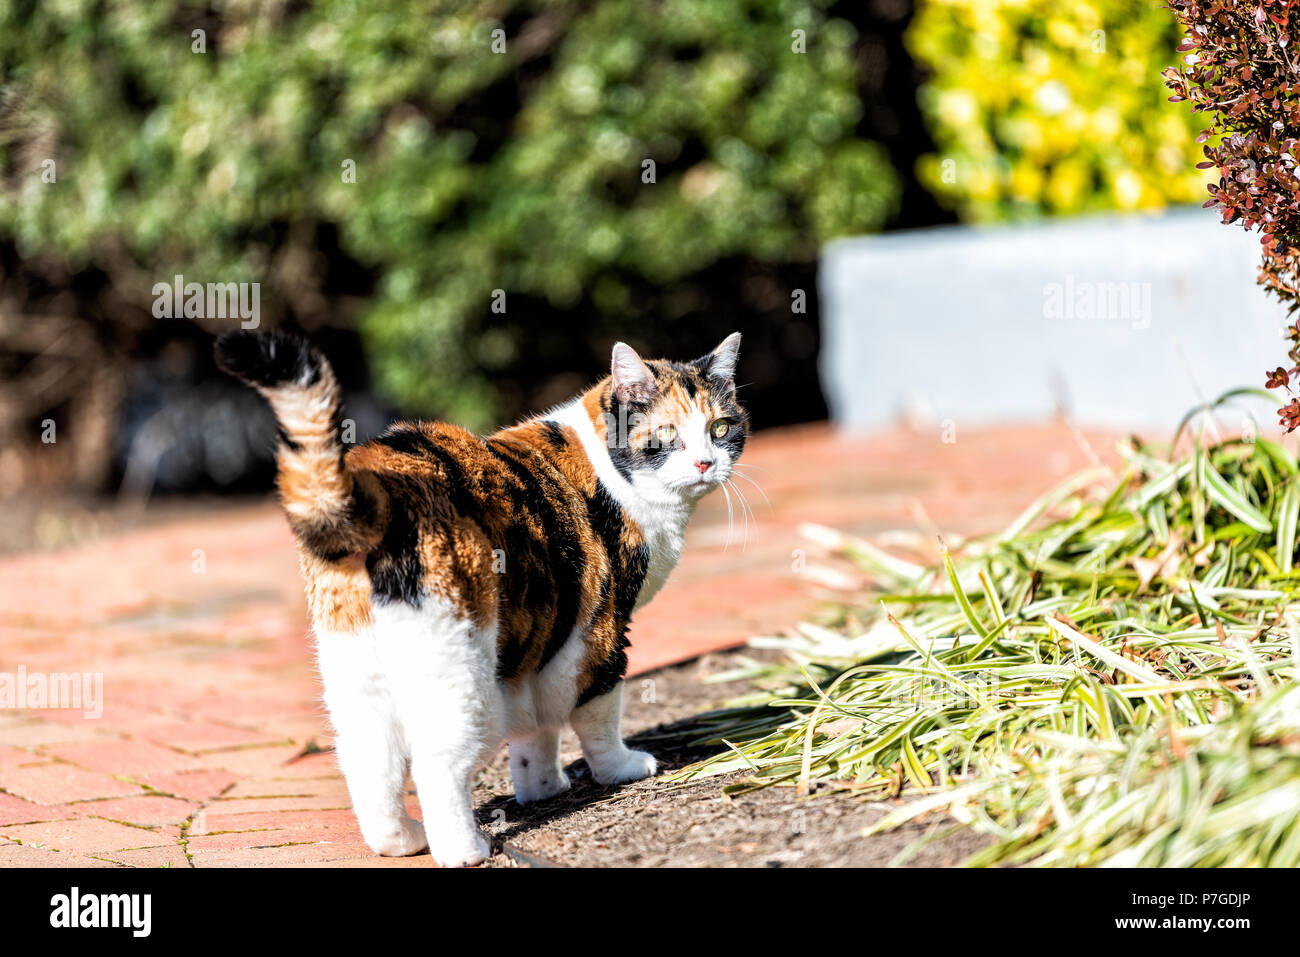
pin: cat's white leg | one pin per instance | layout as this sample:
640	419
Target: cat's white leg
599	726
442	669
368	743
535	766
444	784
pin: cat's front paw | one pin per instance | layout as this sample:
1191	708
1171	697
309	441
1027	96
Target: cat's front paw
461	851
626	766
541	786
407	839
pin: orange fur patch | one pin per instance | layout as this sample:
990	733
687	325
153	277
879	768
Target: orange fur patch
338	593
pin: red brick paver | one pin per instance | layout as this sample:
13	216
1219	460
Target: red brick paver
210	746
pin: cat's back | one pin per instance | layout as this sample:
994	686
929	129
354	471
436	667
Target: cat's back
438	450
512	528
526	469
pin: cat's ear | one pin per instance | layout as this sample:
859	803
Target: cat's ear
721	362
633	381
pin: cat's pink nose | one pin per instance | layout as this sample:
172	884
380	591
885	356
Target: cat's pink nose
704	466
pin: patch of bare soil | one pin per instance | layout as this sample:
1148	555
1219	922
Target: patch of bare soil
652	824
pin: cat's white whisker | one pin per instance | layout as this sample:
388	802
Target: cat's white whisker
738	474
749	507
747	511
744	518
731	518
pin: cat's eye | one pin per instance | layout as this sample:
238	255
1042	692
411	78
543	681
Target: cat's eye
720	428
666	434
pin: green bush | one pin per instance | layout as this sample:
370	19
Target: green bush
475	170
1041	107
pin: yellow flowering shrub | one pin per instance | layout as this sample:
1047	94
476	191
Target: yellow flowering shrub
1041	107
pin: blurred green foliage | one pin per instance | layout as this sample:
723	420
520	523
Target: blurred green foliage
474	170
1042	107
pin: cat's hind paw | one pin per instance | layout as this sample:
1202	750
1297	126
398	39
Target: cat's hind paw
463	851
407	839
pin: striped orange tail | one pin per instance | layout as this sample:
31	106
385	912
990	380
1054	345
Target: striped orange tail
332	513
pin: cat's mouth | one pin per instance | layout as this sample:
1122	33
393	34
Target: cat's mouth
703	485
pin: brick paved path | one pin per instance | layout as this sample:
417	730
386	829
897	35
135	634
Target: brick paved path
209	748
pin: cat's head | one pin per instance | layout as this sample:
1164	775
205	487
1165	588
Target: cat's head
675	427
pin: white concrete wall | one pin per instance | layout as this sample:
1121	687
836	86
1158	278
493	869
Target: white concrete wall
981	325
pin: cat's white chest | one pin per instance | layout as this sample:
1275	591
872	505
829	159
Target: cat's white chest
661	517
665	534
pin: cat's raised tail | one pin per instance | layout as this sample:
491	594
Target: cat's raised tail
332	511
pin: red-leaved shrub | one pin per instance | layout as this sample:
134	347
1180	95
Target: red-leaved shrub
1240	65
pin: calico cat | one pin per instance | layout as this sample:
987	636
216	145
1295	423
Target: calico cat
468	591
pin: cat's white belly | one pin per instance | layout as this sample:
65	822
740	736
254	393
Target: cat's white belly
412	671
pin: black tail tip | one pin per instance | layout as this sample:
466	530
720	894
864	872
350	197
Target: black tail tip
268	359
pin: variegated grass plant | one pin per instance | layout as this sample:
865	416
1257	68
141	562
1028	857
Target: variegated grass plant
1112	680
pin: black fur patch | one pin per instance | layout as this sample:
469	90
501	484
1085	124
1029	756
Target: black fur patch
559	553
268	359
407	441
555	436
395	569
618	419
629	566
657	453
